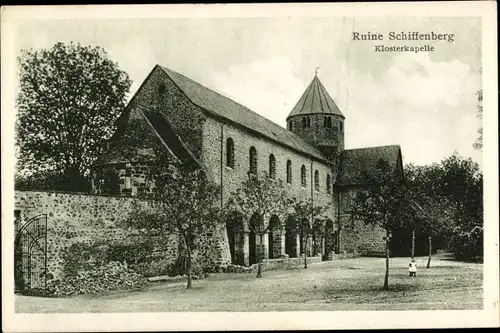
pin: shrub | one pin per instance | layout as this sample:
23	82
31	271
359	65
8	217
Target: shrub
111	276
154	268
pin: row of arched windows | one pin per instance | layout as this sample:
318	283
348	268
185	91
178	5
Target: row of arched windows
306	123
272	167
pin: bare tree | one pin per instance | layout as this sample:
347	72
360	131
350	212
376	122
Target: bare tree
259	197
182	203
382	202
308	219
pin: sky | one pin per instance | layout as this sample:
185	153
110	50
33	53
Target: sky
425	102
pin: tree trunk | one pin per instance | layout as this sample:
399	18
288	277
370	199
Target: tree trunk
413	243
386	278
188	264
430	252
305	251
259	258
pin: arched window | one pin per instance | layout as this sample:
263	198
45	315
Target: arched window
304	123
289	172
316	180
272	167
230	152
328	184
325	121
308	122
303	176
329	122
253	160
341	126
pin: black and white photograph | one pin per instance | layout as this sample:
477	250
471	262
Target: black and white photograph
290	160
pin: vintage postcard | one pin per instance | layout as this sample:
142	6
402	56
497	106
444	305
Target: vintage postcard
228	167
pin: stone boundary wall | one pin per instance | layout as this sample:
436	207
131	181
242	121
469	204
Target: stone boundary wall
86	218
288	263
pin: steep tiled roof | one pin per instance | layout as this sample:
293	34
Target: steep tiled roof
224	107
315	100
354	161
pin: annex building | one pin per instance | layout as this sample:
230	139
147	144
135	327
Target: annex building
175	117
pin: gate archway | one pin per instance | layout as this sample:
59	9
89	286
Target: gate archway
30	255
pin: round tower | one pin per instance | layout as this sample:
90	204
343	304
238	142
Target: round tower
317	119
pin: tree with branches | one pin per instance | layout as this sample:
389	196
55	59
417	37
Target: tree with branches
69	99
260	196
382	202
182	202
308	219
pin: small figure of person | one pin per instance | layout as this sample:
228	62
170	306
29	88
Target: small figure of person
412	268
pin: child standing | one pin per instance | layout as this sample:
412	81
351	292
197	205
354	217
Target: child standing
412	268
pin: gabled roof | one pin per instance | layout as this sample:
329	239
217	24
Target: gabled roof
354	161
315	99
226	108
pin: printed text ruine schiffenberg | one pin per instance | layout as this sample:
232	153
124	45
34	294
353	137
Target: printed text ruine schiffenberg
404	36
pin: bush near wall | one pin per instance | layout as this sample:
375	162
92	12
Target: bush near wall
99	267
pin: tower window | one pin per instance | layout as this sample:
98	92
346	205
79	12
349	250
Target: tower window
304	123
230	152
291	125
308	122
289	172
303	176
327	122
328	184
272	167
253	160
341	126
316	180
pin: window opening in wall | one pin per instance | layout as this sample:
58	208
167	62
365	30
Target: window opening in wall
161	88
289	172
303	176
272	167
308	120
304	123
328	184
341	126
316	180
253	160
230	152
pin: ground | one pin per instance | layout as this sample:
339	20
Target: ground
349	284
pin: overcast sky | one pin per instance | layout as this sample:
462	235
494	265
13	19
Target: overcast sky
425	102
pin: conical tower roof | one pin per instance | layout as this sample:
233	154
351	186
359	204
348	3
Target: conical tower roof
315	100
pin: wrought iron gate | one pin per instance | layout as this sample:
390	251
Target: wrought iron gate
30	255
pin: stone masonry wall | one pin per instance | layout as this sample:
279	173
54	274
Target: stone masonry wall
317	132
73	218
215	137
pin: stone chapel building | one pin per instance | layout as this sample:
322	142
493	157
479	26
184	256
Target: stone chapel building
179	118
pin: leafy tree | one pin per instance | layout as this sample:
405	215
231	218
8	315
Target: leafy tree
308	220
382	202
478	144
449	195
260	197
70	97
462	185
182	203
432	210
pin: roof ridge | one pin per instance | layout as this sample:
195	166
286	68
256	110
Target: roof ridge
311	150
364	148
